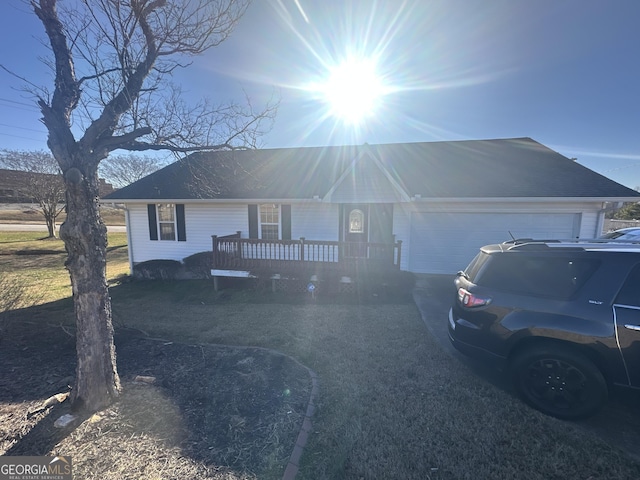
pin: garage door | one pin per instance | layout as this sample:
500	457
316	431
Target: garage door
447	242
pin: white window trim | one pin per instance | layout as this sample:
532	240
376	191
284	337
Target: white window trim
260	220
356	212
174	222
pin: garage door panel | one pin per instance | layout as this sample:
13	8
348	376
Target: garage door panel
447	242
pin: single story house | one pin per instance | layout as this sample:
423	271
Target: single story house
423	207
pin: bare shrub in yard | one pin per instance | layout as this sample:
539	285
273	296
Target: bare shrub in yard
158	270
15	293
199	264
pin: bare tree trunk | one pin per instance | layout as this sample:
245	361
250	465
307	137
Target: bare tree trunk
51	227
85	236
137	53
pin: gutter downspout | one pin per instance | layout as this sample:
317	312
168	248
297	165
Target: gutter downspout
129	244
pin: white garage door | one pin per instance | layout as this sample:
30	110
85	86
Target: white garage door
447	242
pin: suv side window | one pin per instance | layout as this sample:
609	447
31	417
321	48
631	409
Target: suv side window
630	292
552	276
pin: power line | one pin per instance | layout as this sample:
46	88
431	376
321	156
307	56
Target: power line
622	167
22	128
25	138
29	105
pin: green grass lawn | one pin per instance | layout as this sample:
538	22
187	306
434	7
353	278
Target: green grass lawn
37	264
392	403
17	213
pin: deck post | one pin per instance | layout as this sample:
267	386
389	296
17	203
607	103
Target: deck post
302	249
214	241
399	253
238	248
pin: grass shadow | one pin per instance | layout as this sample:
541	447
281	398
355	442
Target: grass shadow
39	252
28	240
43	437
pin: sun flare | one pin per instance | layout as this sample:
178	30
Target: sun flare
353	90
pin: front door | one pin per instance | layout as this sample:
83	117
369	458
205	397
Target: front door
356	229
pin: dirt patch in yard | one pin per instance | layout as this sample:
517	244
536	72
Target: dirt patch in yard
212	411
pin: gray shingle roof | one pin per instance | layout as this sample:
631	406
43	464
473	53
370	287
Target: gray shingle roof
519	167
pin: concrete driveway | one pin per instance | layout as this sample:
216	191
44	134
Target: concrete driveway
619	421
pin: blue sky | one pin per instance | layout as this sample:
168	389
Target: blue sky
565	73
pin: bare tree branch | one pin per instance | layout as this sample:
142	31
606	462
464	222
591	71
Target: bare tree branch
122	170
22	79
112	60
41	182
57	115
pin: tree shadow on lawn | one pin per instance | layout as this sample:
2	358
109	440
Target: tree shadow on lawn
230	411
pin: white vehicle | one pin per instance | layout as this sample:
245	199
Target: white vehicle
632	233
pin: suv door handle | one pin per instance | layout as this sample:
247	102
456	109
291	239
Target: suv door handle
633	327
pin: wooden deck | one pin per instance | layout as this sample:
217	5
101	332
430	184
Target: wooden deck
235	256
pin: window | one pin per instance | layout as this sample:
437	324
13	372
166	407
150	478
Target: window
553	277
356	221
630	292
166	221
269	221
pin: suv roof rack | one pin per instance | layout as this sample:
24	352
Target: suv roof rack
521	241
574	243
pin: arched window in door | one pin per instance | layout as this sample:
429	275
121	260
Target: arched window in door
356	221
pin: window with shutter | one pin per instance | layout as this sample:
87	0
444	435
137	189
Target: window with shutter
270	221
167	222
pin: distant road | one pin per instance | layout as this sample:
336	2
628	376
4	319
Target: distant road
30	227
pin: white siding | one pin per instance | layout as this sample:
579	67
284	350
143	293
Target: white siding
589	225
201	221
315	221
320	221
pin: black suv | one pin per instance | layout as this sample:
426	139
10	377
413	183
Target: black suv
563	317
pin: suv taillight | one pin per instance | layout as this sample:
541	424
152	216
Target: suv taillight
470	300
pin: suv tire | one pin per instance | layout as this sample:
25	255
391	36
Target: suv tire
559	381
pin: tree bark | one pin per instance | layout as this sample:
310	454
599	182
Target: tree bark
85	236
140	32
51	227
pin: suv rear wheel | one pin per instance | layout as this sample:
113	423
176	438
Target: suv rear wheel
559	381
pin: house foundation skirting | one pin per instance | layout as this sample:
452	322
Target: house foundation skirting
288	283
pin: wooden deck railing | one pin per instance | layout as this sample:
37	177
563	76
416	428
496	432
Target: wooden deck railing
231	252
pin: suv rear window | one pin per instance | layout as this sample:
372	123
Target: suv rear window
476	264
545	276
